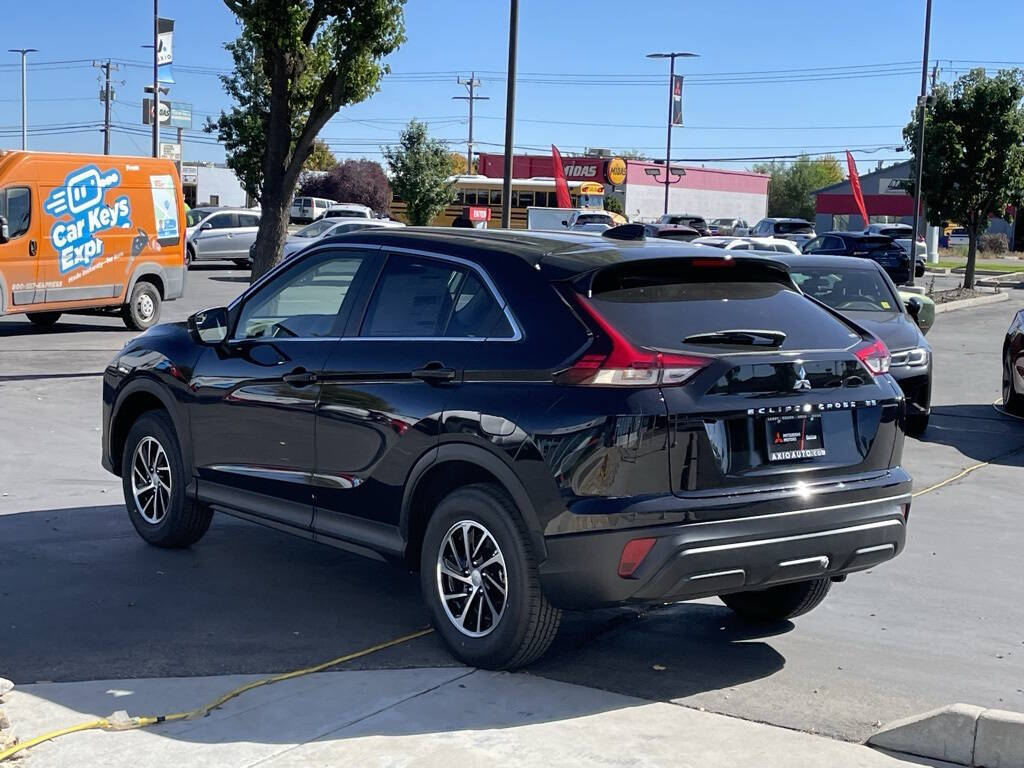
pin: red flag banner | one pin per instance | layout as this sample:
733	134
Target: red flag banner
855	186
561	188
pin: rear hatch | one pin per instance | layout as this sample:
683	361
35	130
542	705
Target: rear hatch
883	250
774	388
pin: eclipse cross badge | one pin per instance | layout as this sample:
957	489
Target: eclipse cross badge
801	381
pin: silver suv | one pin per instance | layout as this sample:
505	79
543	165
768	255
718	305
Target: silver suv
221	234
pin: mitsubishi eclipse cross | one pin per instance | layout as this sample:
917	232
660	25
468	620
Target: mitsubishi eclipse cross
533	422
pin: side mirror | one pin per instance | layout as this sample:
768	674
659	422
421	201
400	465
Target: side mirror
565	222
205	226
209	327
5	232
913	305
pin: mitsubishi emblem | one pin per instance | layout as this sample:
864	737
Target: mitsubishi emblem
801	381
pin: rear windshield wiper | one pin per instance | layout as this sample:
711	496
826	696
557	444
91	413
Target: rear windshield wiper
738	336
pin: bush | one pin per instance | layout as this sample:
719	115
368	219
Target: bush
614	205
993	243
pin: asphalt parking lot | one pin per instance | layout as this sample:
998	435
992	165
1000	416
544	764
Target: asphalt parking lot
83	598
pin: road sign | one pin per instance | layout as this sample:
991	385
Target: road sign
189	174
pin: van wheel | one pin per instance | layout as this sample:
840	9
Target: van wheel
786	601
143	309
153	478
43	319
479	579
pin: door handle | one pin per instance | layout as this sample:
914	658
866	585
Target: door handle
300	377
434	373
32	248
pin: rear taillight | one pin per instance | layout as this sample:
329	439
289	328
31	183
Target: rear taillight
626	365
632	555
875	357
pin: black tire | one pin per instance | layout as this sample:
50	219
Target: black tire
43	319
917	423
527	623
185	520
190	256
243	263
1013	401
143	308
786	601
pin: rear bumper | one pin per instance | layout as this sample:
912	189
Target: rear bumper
711	558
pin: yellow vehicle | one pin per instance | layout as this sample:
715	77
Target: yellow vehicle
479	191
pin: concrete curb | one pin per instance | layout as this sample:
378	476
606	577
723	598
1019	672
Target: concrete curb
977	301
959	733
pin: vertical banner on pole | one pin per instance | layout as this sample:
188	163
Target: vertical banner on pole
677	99
164	50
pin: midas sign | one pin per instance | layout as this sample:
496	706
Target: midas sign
580	170
615	171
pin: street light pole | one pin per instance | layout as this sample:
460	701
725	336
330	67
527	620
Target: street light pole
156	78
510	109
921	112
24	99
672	56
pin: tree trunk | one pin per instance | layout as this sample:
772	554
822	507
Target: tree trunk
274	219
972	255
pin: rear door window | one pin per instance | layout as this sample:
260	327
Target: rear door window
248	220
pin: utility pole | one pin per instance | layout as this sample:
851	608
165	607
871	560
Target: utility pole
24	99
471	86
106	96
921	112
156	78
510	110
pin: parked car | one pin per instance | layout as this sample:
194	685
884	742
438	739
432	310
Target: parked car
305	210
534	423
590	221
318	230
221	234
920	254
766	244
799	231
727	226
1013	366
861	290
348	211
687	220
880	248
901	234
958	237
671	232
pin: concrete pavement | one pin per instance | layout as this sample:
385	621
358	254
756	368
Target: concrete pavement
429	717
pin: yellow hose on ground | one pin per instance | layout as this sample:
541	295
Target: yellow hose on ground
112	724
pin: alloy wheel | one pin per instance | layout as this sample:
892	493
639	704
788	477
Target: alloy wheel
151	480
472	581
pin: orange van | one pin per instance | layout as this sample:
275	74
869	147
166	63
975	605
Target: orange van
89	234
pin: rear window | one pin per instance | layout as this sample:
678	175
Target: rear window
661	305
879	243
853	290
341	213
792	228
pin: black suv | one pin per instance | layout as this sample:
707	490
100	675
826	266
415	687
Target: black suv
881	249
533	421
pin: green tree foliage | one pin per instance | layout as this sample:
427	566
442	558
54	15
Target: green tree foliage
791	191
320	157
296	63
353	181
973	153
459	164
420	167
614	205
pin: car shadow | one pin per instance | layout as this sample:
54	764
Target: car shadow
88	600
213	266
15	327
978	431
230	279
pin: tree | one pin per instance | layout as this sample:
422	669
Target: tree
792	186
296	63
973	153
320	157
420	167
614	205
459	164
353	181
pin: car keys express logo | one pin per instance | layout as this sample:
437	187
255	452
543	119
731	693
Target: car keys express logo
82	214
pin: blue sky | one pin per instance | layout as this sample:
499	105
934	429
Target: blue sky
839	74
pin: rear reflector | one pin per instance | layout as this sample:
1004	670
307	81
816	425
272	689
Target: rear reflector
624	364
632	555
875	357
